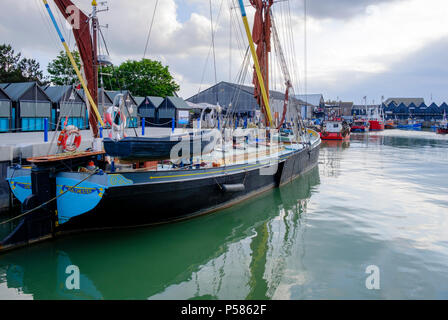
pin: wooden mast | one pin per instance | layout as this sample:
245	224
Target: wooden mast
264	93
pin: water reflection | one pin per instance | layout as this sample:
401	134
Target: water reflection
239	253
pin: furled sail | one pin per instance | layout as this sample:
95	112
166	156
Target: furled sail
261	34
86	51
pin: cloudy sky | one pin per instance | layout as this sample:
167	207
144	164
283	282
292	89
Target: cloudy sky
355	48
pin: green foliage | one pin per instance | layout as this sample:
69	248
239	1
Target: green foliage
14	68
61	70
142	78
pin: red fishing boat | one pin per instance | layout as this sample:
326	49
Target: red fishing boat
376	119
335	130
443	127
360	126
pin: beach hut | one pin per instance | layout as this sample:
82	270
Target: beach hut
131	105
30	106
148	109
68	105
173	108
5	111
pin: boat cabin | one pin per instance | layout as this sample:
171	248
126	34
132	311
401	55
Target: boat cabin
68	105
333	126
30	106
5	111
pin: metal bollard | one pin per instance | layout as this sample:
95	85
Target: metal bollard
46	130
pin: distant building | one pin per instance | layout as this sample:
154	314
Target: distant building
315	101
67	104
148	110
5	111
405	101
239	100
30	106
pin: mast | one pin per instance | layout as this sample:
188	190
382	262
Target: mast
87	51
94	86
261	30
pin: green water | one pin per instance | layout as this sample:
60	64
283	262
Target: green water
381	199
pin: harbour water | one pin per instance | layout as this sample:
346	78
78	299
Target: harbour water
380	199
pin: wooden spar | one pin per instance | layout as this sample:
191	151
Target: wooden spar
72	60
256	63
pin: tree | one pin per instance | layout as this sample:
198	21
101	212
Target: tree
14	68
61	70
142	78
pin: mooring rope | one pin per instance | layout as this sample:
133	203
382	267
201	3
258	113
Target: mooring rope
49	201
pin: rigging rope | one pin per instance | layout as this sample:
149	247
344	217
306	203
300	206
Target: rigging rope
150	29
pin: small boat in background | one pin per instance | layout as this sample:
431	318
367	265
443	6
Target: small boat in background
376	119
443	127
360	126
390	124
411	124
335	130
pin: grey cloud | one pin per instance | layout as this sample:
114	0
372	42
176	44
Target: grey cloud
420	74
339	9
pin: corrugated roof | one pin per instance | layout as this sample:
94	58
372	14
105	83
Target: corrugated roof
16	90
56	93
139	100
113	94
4	94
156	101
178	103
405	101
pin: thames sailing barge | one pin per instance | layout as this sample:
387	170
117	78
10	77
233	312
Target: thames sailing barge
90	190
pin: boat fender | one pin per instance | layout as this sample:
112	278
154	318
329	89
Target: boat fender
233	187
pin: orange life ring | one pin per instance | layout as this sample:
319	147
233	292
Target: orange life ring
64	137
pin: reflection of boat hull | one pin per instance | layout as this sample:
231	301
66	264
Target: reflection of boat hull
161	258
334	136
376	125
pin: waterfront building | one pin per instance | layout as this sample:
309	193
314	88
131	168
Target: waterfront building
148	109
239	101
67	105
30	106
173	108
5	111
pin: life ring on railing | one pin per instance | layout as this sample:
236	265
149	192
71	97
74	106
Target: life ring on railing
69	139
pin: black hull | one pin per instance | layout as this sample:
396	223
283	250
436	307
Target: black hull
149	204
